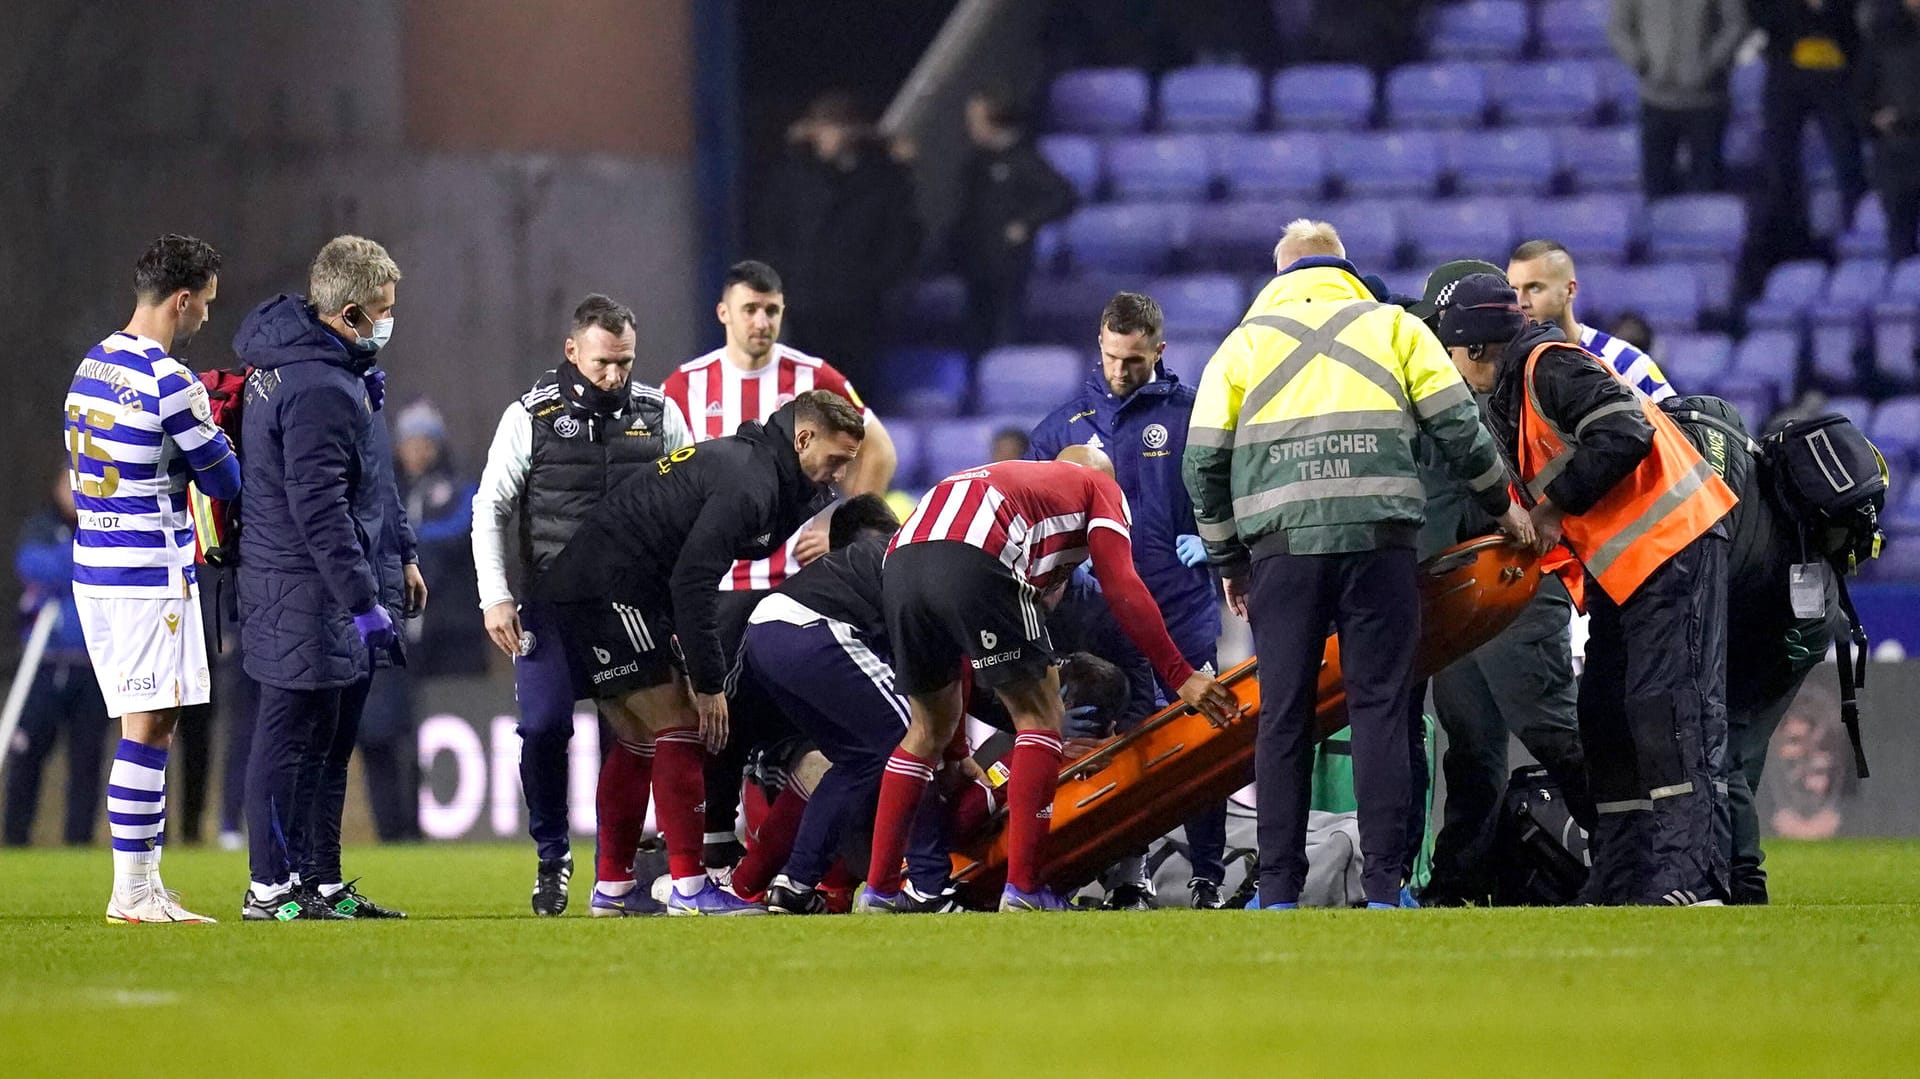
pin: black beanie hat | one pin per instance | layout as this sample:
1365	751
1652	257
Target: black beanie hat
1478	309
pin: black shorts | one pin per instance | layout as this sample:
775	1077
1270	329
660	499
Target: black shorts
614	649
947	602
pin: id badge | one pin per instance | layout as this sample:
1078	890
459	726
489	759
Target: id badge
1807	587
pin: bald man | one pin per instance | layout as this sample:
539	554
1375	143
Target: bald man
962	590
1542	272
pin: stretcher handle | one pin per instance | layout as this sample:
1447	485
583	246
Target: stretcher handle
1456	557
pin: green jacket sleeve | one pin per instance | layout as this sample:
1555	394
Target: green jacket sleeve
1207	466
1444	408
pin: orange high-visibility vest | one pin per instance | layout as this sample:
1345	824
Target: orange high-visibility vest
1669	501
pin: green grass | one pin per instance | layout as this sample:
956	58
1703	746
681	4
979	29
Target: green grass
1824	982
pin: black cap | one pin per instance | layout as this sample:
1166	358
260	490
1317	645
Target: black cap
1446	274
1478	309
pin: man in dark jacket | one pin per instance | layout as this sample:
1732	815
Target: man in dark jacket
1890	76
1636	504
318	526
1007	193
637	592
1813	48
1139	412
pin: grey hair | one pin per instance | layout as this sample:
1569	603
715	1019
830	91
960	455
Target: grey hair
349	269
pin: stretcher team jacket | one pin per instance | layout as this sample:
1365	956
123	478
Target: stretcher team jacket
1303	430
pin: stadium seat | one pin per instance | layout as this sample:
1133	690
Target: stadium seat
1836	347
1239	236
955	445
909	451
1894	342
1372	165
1100	100
1693	226
1066	308
1826	213
1291	165
1716	280
1668	297
1899	559
1516	161
1867	238
1601	158
1896	430
1856	408
1323	96
1755	401
923	381
1430	95
1619	91
1480	30
1769	356
1853	290
1741	146
1596	228
1076	157
1904	284
1123	237
1370	231
1200	305
1187	357
1030	377
1792	289
1224	97
1573	27
927	307
1460	228
1171	167
1747	85
1548	92
1694	361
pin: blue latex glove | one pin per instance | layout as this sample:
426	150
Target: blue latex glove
376	381
1190	551
375	627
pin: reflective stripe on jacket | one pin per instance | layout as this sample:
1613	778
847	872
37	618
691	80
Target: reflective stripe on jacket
1671	499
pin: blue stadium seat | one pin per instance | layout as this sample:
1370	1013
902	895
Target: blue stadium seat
1868	236
1479	228
1601	158
1854	407
1747	85
909	451
1067	309
1853	290
1548	92
1515	161
1171	167
1769	356
1692	226
1370	231
1402	163
1223	97
1668	297
1826	213
955	445
1792	289
1325	96
1899	559
1896	336
1480	30
1200	305
1596	228
1619	90
1755	401
1187	357
1122	237
1741	146
1428	95
1836	348
1030	377
1100	100
927	307
1239	236
1271	166
1716	280
1694	361
1896	430
1076	157
1904	284
1573	27
923	381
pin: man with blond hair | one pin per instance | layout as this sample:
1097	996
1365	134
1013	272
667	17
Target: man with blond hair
1300	462
319	525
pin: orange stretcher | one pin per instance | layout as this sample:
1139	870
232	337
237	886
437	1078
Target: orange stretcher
1143	785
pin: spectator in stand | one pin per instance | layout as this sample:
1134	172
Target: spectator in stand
1890	71
65	701
1631	328
1812	46
1007	193
1682	51
1009	444
841	222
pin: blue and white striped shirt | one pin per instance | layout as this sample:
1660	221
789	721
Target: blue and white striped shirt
138	427
1634	367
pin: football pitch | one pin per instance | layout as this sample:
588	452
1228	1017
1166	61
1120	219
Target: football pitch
1824	982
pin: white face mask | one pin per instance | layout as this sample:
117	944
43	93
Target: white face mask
382	333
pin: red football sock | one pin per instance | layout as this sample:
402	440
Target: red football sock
901	788
969	810
771	844
620	804
1035	768
679	785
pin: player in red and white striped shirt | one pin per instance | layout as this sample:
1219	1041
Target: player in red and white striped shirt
749	378
962	587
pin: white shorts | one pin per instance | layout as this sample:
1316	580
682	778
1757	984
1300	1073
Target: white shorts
148	654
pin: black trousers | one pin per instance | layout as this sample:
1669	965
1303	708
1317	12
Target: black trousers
1790	98
390	758
1372	600
236	700
1653	724
64	704
1664	133
1897	176
295	790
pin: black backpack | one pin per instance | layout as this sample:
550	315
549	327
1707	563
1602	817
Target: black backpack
1539	851
1831	483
